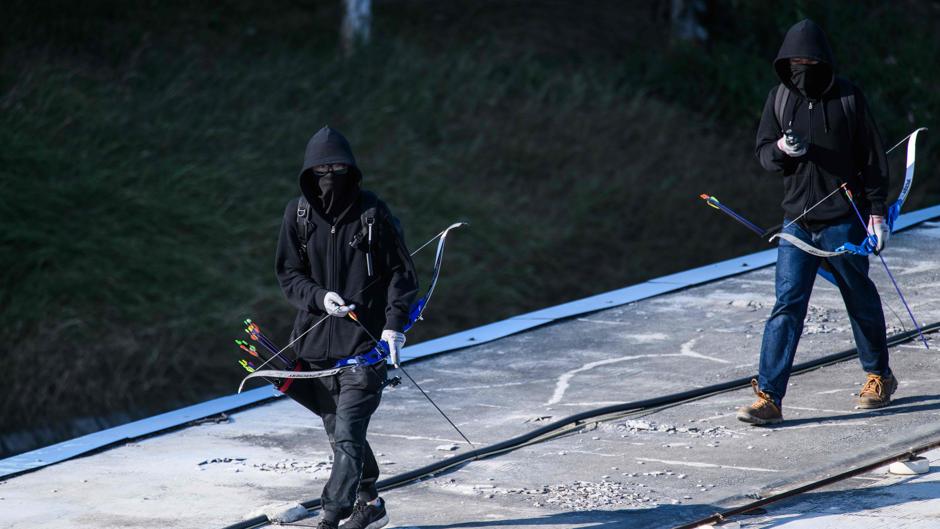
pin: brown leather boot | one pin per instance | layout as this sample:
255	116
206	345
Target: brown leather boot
877	391
763	411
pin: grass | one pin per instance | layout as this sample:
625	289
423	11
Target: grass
146	155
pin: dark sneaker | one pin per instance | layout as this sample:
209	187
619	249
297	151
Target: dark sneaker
326	524
763	411
367	516
877	392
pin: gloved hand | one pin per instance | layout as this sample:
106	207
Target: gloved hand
878	228
334	305
792	151
395	341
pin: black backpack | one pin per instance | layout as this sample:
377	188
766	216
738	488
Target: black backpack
375	216
846	96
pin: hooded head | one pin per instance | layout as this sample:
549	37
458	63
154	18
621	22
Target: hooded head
332	193
806	40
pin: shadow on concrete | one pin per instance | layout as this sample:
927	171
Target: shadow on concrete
844	502
662	516
897	407
841	502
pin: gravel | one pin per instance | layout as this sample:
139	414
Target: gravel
587	495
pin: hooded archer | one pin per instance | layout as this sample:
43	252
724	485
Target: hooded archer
340	246
818	135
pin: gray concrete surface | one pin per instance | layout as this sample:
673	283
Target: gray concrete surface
647	471
876	500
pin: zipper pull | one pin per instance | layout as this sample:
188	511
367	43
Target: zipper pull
810	105
333	229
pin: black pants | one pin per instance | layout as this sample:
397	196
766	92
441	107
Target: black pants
345	402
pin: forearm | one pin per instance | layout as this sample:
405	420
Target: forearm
874	169
292	274
402	291
402	287
768	153
301	291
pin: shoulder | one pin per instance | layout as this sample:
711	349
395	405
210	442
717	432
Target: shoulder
291	207
372	201
776	96
846	85
851	89
771	96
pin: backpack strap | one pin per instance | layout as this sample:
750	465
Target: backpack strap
303	225
780	104
370	207
374	208
847	97
370	212
375	218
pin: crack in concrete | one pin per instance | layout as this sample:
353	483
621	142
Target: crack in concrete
564	380
703	465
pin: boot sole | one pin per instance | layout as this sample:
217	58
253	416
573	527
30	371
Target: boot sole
381	522
873	405
378	524
750	419
876	405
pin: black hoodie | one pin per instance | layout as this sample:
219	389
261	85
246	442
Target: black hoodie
382	301
835	154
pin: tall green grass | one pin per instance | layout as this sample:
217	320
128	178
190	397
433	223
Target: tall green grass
146	157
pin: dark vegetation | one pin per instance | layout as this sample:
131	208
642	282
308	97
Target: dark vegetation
147	151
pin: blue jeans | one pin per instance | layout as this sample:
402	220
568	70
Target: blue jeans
796	272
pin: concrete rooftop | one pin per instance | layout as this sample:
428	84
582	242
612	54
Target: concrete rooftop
656	470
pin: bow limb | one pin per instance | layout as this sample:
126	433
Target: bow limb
438	261
806	247
273	373
418	310
865	248
895	210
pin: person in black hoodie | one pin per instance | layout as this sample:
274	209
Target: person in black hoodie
834	141
353	254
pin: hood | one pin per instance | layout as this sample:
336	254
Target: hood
807	40
325	147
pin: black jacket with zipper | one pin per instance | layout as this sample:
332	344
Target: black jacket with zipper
336	261
835	154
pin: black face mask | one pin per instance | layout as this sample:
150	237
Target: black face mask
810	79
336	191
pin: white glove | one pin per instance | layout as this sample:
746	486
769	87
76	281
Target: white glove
878	228
395	341
334	305
788	150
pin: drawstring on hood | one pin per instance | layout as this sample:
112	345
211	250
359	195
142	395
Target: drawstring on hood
330	194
